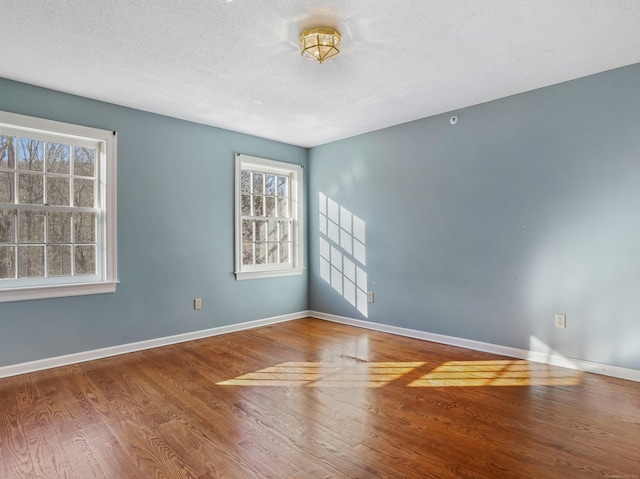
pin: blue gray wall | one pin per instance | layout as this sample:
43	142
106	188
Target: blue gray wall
483	230
175	236
529	206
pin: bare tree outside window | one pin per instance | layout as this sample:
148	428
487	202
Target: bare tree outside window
49	227
7	249
265	218
269	213
58	213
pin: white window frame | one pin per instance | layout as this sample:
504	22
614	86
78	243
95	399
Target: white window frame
294	172
105	279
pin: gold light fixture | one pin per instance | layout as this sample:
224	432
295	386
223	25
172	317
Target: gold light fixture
321	43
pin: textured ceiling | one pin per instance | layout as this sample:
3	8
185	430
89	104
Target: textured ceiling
236	64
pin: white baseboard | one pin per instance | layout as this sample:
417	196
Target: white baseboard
547	358
65	360
540	357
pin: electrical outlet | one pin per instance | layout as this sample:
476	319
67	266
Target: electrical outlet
197	303
561	320
370	297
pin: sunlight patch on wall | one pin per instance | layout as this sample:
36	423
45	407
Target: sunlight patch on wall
497	373
586	264
542	352
343	252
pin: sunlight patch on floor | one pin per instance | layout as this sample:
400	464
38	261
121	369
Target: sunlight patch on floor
379	374
316	374
497	373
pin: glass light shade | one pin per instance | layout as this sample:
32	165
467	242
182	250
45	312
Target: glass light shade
320	43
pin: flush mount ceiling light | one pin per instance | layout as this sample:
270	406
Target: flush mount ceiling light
320	43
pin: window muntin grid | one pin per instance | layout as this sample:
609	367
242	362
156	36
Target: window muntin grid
56	179
268	215
266	218
50	215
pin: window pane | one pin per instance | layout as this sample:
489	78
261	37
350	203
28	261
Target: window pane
258	186
84	161
247	253
283	208
283	186
270	203
261	253
273	231
245	181
273	253
284	230
7	187
284	252
85	227
59	227
30	154
85	259
30	189
31	228
7	262
31	261
246	205
258	203
7	225
83	192
58	157
58	192
247	230
59	260
261	231
7	154
270	184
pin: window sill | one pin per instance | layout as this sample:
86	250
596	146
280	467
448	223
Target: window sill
268	274
56	291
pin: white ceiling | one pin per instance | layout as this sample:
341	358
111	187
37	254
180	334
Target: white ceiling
236	65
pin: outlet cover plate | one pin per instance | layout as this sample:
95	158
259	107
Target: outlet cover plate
561	320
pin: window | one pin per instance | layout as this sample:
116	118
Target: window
268	218
57	209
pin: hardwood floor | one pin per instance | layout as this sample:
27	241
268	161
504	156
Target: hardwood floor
314	399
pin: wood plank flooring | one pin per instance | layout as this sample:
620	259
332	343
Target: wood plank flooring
314	399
